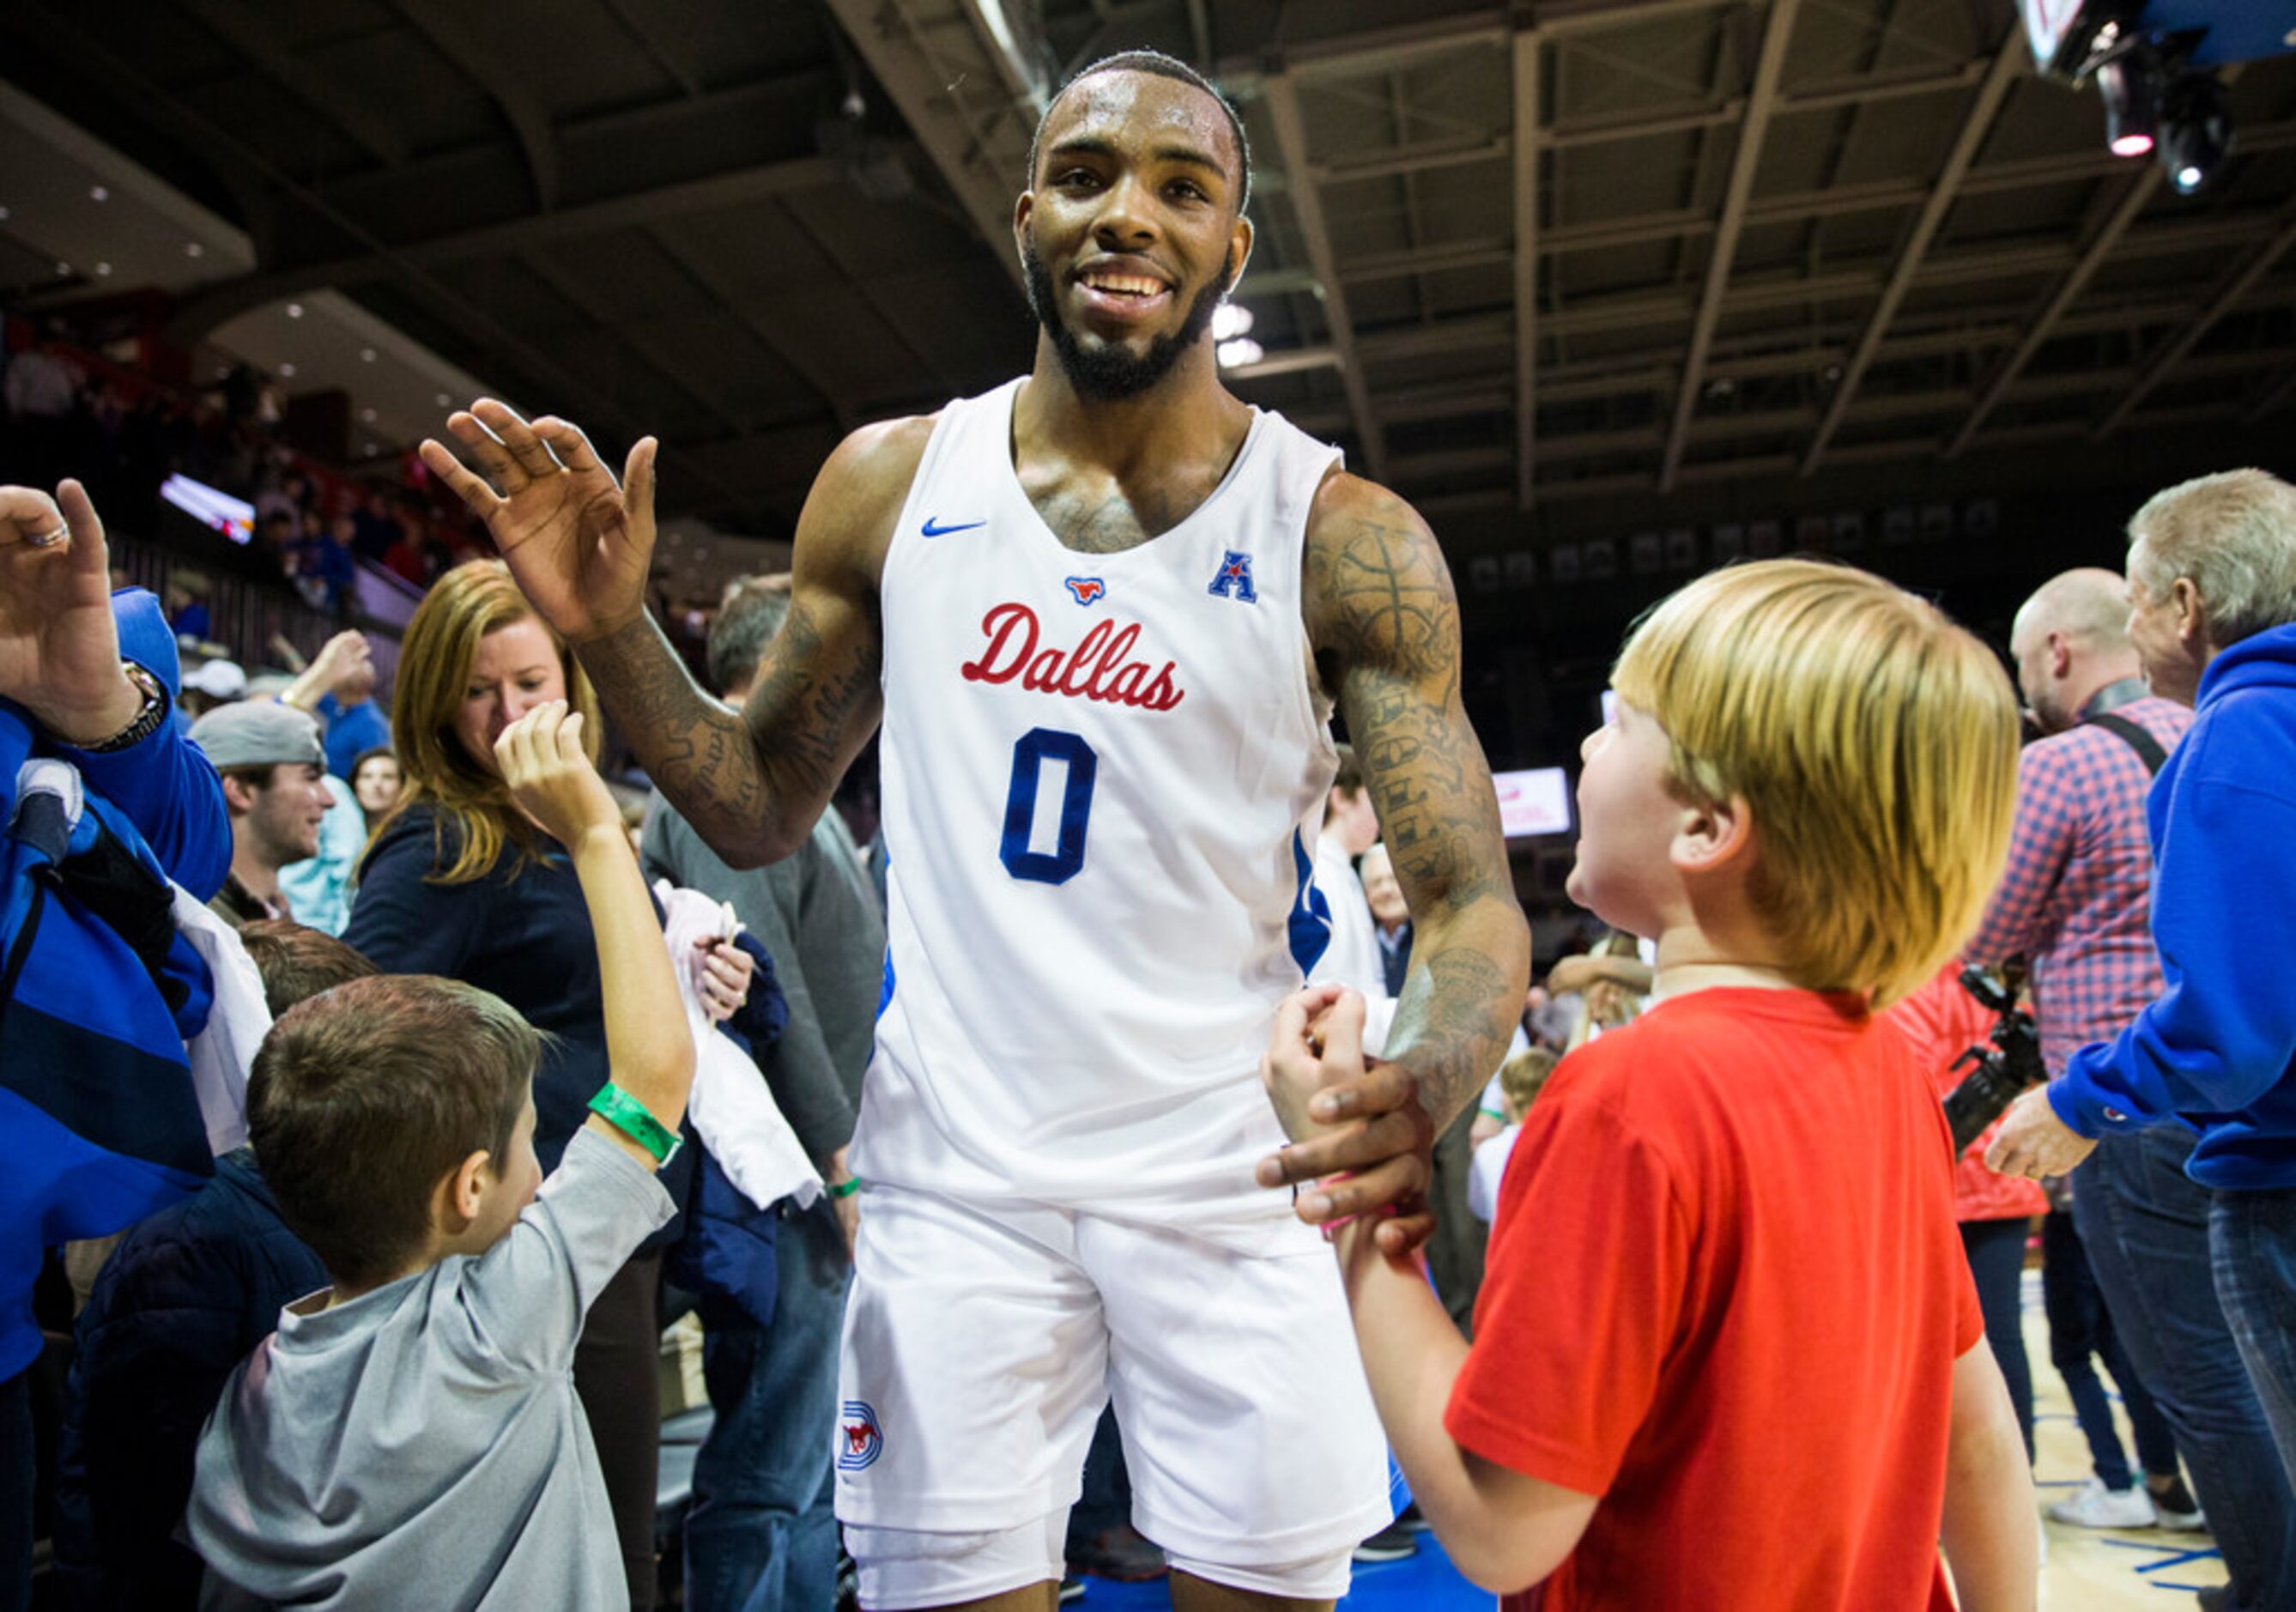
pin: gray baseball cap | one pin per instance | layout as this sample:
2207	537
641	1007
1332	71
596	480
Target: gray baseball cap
259	733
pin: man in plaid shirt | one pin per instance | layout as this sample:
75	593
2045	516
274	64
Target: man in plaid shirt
2075	902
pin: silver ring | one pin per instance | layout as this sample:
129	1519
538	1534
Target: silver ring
48	539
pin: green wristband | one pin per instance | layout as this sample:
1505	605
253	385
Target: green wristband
846	1188
629	1115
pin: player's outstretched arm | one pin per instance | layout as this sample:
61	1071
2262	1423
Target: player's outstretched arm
580	546
1384	620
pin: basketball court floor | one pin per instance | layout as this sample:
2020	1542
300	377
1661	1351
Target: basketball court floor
2142	1570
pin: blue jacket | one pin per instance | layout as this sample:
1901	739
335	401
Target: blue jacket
99	1125
2217	1049
182	1300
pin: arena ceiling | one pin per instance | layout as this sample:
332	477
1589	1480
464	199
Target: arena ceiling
1514	258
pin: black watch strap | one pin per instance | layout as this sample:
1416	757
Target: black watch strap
147	721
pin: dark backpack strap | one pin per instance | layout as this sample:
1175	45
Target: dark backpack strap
2147	748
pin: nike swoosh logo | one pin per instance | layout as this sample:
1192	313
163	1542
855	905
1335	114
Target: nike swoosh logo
933	530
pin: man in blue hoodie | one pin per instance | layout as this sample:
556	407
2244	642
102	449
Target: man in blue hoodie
2213	613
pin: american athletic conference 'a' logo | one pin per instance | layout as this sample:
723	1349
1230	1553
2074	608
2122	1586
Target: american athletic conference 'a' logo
860	1440
1233	579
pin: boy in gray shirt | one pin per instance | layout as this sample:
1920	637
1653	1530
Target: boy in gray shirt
410	1436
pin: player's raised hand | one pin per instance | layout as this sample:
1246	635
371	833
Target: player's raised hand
59	645
1348	1115
578	542
551	777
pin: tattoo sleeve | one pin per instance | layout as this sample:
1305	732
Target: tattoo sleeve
751	782
1386	624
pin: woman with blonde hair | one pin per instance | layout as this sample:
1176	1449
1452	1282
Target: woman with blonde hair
458	882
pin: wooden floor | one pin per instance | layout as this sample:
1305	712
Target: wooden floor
2140	1570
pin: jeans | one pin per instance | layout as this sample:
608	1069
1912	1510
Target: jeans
760	1535
2253	1238
2080	1331
1997	1263
2146	1225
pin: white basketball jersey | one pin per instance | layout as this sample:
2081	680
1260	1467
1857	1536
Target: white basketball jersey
1103	774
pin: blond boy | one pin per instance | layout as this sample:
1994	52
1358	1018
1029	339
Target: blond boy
410	1436
1728	1352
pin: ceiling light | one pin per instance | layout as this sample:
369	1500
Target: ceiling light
1239	351
1230	320
193	249
2195	130
2130	115
223	372
294	310
368	450
288	370
366	355
103	269
64	271
3	215
98	193
442	400
367	415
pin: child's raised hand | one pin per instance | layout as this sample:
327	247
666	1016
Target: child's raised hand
551	777
1317	1042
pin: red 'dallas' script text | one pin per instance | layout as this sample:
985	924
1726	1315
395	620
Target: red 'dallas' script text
1097	668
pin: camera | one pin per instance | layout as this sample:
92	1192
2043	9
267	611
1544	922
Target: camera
2002	1070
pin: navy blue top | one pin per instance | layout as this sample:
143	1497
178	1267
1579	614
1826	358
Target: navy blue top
181	1302
524	935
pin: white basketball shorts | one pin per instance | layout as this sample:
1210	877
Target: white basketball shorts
982	1341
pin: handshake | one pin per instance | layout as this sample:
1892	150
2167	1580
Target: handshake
1361	1142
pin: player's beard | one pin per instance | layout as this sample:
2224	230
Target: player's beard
1110	374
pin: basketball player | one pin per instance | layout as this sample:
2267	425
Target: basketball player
1103	612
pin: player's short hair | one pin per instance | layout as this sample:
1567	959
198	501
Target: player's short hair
2234	535
1523	1077
753	611
1875	740
1164	67
1349	778
298	962
364	1097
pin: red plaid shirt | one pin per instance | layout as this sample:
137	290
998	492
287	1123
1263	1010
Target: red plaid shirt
2076	897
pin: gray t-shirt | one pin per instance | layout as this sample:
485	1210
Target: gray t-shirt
420	1445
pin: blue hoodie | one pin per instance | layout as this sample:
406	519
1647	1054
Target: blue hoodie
99	1123
2217	1049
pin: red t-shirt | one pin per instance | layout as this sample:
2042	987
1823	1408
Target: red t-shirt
1725	1293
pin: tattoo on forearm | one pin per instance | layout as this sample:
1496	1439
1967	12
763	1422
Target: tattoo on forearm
803	719
692	745
735	774
1387	631
1446	1030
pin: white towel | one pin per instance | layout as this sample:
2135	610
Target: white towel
734	1110
222	1054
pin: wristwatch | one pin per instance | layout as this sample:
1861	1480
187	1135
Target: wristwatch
146	722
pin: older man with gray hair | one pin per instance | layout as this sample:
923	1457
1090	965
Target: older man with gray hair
2212	616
